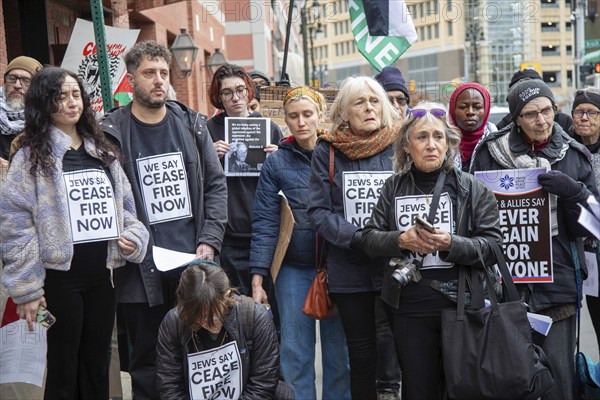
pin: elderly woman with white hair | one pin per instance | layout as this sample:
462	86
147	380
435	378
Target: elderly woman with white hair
465	221
349	165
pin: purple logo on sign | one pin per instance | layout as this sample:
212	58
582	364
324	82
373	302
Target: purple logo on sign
507	182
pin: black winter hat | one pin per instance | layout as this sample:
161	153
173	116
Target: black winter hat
391	79
587	96
523	92
520	75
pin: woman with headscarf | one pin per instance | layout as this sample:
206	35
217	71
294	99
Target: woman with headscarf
360	147
287	171
535	140
469	110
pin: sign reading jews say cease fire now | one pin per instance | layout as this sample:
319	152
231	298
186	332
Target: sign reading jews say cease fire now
164	187
525	222
361	192
216	373
91	203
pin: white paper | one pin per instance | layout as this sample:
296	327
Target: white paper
590	285
166	260
23	353
591	220
540	323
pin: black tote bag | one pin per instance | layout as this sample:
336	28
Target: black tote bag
488	353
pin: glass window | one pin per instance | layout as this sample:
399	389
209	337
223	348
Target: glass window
422	33
549	3
569	50
552	78
550	26
436	30
568	26
450	28
428	32
550	50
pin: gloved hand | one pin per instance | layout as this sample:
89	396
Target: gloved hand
560	184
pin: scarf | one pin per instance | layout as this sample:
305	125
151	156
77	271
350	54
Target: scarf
500	151
357	147
469	140
11	122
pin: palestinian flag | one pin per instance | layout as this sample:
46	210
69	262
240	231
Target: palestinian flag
123	92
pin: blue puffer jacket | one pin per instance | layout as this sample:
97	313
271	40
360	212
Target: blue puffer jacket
288	170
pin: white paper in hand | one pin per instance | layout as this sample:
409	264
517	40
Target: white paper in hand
166	260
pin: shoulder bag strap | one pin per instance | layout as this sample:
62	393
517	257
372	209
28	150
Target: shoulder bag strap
321	247
437	192
579	282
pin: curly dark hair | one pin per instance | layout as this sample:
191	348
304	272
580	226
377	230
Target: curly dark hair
204	294
228	71
41	101
150	49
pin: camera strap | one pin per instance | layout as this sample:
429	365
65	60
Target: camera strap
437	192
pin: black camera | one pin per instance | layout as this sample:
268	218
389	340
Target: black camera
405	272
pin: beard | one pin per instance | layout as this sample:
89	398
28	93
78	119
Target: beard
16	103
145	99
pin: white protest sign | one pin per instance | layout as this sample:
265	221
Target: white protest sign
164	187
409	207
92	208
216	373
361	192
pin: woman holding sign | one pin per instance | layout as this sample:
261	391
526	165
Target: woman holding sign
67	221
360	144
534	141
465	219
288	171
216	343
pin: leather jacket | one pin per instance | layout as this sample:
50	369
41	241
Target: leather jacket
477	224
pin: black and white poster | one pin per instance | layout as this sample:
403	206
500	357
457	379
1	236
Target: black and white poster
247	138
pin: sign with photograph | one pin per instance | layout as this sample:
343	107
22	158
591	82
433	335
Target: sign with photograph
525	222
247	138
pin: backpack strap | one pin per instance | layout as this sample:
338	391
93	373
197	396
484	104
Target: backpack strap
247	310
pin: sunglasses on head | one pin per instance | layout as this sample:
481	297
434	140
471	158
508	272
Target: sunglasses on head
421	112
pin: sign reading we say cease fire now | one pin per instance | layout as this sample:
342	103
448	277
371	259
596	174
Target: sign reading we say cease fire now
164	187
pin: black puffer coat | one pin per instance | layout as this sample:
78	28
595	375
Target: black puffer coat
260	365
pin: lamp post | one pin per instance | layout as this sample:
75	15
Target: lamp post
185	52
216	60
311	25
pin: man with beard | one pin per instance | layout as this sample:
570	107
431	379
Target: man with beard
179	190
12	101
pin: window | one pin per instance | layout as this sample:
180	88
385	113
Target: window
436	31
335	29
568	26
422	33
550	27
550	50
337	49
428	32
421	10
450	28
552	78
341	49
348	47
569	50
449	6
570	77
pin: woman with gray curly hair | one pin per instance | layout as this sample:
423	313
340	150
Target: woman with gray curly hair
464	221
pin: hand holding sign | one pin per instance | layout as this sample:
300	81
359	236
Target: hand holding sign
560	184
127	247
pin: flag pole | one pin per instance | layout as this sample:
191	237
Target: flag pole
285	79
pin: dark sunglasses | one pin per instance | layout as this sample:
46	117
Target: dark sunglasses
421	112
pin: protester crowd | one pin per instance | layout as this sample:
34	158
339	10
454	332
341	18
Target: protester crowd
226	324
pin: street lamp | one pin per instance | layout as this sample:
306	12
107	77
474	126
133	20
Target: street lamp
185	52
216	60
311	28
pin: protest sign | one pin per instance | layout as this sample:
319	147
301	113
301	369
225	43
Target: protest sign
361	192
91	203
247	138
407	209
164	187
81	58
216	374
525	222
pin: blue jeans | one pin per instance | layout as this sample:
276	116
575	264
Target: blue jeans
297	349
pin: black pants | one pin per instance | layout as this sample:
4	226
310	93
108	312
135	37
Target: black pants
593	304
357	311
419	344
388	368
84	303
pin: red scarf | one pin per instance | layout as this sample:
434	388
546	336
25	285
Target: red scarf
357	147
470	139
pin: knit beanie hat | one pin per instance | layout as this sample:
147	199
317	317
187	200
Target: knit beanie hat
254	73
523	92
587	96
28	64
520	75
391	79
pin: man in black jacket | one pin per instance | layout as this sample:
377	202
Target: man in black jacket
179	189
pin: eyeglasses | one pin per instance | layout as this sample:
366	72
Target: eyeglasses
399	99
241	93
531	116
421	112
589	113
14	78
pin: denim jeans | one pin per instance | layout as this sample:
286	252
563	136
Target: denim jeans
559	347
297	350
